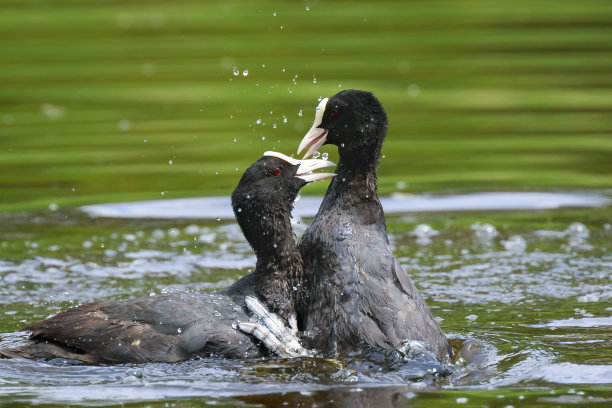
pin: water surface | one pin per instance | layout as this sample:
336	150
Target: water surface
533	286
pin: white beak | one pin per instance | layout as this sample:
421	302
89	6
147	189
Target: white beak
316	136
307	166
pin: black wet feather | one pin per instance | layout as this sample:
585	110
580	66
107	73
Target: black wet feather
356	292
176	326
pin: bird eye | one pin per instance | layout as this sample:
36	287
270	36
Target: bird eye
334	113
277	171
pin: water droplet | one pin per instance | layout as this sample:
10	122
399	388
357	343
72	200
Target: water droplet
300	113
316	155
263	65
239	210
274	125
245	72
307	8
339	85
424	231
341	144
314	81
515	243
275	245
53	207
578	229
484	232
179	331
324	156
218	218
258	121
274	13
263	138
152	294
284	120
234	140
170	162
236	72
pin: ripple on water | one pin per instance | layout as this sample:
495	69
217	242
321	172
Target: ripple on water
213	207
161	257
581	322
509	277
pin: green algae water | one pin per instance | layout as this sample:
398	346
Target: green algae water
534	287
120	101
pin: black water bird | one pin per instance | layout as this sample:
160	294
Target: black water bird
355	292
176	326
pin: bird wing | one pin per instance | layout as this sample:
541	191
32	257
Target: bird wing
163	328
392	308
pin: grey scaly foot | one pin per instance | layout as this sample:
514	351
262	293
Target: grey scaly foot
272	332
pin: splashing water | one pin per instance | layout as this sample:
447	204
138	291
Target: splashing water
515	243
542	314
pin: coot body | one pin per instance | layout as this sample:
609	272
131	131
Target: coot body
356	293
176	326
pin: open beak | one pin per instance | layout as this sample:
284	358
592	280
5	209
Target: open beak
316	137
307	166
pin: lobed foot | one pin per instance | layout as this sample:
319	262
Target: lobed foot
273	332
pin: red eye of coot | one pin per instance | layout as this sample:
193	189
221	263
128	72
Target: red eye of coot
334	113
277	171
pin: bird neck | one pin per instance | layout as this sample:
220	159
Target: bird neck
279	270
356	179
354	192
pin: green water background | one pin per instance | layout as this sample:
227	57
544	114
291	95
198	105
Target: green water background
98	97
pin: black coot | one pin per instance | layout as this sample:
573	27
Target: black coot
356	292
176	326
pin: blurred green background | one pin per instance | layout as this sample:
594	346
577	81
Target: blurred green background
106	101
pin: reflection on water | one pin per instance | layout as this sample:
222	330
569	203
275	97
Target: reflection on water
537	314
220	207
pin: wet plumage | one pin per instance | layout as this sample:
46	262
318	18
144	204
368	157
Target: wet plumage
176	326
356	291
